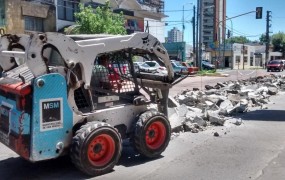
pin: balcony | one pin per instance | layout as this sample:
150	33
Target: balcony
157	4
208	22
207	32
50	2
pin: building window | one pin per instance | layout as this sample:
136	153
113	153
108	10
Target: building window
237	59
2	12
66	9
245	59
34	24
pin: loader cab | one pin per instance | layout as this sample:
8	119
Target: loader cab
113	83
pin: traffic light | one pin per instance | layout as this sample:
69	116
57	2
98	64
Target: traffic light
229	34
258	12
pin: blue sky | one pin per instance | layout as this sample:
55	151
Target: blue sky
245	25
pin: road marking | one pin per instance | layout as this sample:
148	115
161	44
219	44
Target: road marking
247	73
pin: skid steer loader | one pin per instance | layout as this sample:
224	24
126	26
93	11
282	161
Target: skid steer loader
80	94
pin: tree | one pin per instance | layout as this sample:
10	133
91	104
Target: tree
278	42
262	39
237	39
103	20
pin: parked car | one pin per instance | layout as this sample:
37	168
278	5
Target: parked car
159	68
144	67
190	67
206	65
178	67
275	65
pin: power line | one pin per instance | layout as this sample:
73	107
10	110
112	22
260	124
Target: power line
168	25
241	33
188	21
280	17
178	10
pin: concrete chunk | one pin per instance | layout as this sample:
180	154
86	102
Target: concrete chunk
215	118
272	90
172	102
175	121
200	121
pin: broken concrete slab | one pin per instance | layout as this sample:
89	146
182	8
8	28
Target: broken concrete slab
211	91
200	121
226	104
182	110
262	89
172	102
215	118
188	126
174	120
234	97
208	87
188	100
282	87
221	84
235	86
272	90
190	116
239	107
224	99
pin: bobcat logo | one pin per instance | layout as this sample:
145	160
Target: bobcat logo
145	40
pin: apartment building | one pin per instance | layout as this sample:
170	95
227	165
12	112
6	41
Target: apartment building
18	16
174	35
213	15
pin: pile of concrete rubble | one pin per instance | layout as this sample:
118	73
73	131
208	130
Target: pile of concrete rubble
194	110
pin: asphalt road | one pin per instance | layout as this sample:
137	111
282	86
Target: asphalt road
253	150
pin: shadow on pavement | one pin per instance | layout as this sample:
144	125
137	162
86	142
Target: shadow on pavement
131	158
19	168
263	115
61	168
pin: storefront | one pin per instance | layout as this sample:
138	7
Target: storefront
176	50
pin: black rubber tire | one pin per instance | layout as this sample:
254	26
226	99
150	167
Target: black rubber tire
84	139
267	70
143	123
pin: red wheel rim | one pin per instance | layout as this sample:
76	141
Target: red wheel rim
155	135
101	150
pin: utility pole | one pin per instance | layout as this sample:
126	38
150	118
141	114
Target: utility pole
147	27
268	19
243	55
197	34
224	48
200	35
183	25
194	42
